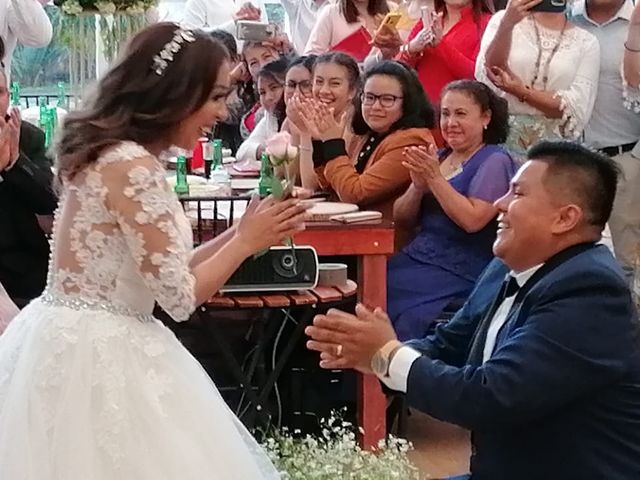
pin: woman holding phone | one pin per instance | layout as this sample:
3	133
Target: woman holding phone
338	20
443	45
544	66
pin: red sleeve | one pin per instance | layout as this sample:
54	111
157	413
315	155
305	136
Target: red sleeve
461	56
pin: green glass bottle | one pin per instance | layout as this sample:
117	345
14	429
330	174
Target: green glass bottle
217	153
266	176
15	94
182	186
62	96
53	116
43	104
46	119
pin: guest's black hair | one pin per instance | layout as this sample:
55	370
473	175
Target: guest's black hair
2	52
228	41
306	61
589	176
346	61
276	72
374	7
417	111
498	128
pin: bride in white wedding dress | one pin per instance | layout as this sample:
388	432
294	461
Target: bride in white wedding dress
92	387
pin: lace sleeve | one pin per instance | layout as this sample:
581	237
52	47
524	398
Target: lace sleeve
487	38
145	209
577	101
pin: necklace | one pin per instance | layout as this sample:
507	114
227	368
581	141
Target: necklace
451	169
556	47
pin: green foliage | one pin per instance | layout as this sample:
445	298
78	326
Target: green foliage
41	67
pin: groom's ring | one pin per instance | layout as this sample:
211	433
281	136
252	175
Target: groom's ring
339	351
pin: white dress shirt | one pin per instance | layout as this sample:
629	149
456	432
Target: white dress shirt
24	22
266	128
218	14
405	356
302	18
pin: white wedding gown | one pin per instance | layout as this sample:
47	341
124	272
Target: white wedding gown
92	387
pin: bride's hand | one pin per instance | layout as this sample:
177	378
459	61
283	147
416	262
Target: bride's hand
267	223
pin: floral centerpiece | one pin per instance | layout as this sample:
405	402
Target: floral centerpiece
335	454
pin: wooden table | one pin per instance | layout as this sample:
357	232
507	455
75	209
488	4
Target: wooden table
372	243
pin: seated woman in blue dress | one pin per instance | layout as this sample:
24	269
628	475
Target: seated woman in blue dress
450	205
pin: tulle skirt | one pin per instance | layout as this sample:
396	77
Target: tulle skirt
92	395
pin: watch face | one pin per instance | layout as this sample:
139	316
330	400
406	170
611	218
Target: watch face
379	365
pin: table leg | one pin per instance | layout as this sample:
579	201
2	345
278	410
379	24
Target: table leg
372	403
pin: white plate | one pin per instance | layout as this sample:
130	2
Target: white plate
324	210
244	183
191	179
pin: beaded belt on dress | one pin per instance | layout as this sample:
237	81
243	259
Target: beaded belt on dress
80	304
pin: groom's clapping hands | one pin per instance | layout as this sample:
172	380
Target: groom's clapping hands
349	341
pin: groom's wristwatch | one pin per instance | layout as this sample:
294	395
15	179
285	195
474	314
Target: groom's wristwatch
382	359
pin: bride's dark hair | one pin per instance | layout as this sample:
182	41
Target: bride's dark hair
132	102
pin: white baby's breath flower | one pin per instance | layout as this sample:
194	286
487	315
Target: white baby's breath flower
336	455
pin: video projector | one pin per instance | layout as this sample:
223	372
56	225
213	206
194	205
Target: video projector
276	271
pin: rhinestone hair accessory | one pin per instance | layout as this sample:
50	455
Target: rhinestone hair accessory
167	54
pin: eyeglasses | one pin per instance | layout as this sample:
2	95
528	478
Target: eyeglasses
386	100
304	86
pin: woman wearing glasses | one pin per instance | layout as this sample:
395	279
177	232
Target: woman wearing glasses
450	204
393	114
334	85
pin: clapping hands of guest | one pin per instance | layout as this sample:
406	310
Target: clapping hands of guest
10	139
319	120
5	151
423	165
295	124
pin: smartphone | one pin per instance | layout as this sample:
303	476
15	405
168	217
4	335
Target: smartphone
555	6
391	19
276	14
426	14
255	31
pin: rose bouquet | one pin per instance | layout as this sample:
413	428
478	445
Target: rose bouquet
281	153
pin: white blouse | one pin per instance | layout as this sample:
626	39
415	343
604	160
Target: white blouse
573	71
266	128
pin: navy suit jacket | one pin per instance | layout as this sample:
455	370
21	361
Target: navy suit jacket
560	396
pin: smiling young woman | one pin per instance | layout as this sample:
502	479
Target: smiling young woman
392	114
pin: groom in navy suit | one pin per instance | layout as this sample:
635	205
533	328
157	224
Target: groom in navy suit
543	363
